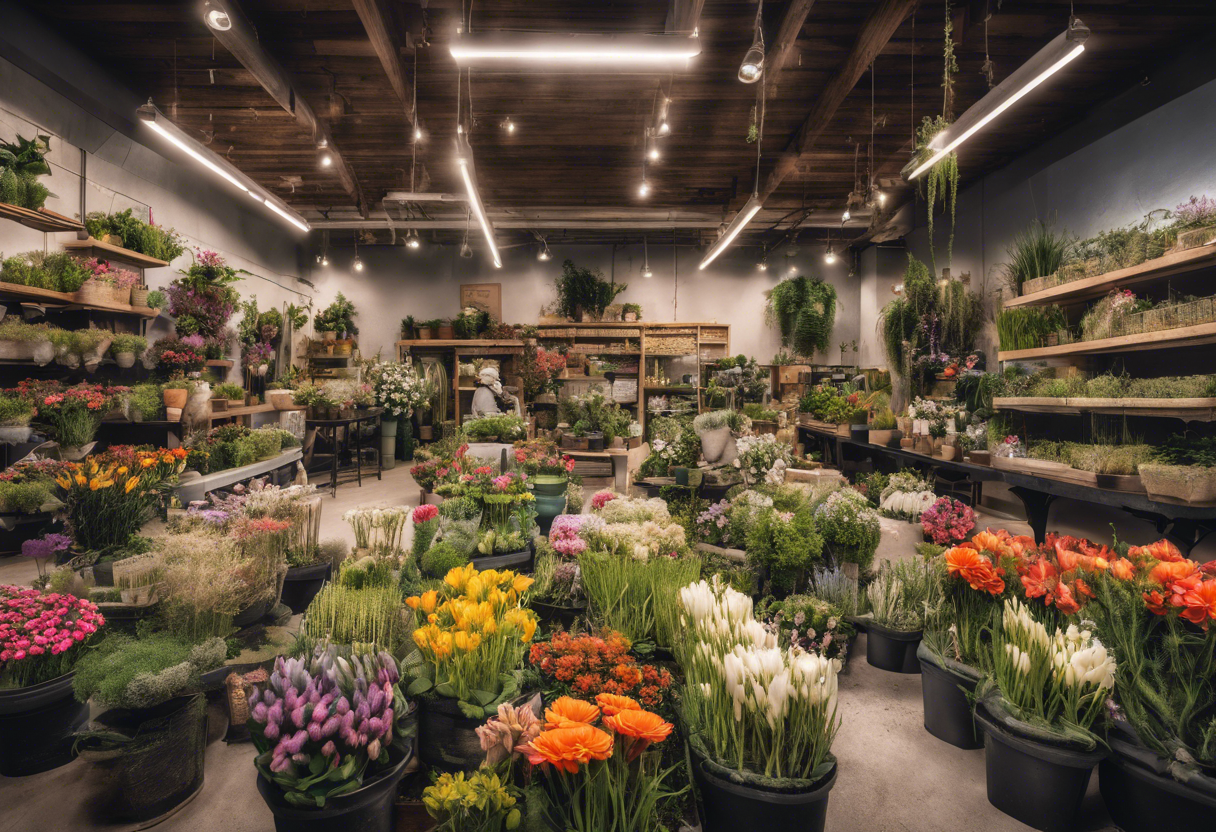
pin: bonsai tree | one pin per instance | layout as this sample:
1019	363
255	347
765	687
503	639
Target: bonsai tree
582	291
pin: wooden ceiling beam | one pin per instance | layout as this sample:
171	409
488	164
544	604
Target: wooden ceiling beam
878	29
378	21
781	49
241	40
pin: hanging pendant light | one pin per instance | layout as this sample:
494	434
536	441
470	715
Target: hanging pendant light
753	62
544	255
829	256
357	265
646	272
762	265
412	240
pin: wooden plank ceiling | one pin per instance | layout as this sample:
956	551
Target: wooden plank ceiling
578	141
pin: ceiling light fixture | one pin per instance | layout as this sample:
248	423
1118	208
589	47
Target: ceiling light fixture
221	167
324	157
652	147
762	265
646	272
464	160
829	256
412	240
663	127
845	217
753	62
357	264
544	255
216	18
508	125
546	50
1049	60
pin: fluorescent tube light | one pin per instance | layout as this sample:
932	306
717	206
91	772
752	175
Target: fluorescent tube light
169	131
464	160
740	222
1049	60
619	50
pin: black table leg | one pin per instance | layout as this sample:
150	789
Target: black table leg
333	465
358	453
379	459
1037	505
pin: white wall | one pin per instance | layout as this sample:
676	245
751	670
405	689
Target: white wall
397	281
53	89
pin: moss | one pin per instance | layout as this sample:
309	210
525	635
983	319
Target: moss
440	559
131	673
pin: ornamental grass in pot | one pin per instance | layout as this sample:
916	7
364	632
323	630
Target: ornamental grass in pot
151	738
1155	611
42	636
1048	690
331	734
760	720
898	598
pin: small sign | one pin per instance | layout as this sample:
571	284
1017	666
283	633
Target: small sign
484	296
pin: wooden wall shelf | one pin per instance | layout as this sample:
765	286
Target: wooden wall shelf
1184	336
1191	410
40	220
1092	288
109	252
67	300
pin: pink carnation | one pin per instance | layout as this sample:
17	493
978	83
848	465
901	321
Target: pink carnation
602	499
424	513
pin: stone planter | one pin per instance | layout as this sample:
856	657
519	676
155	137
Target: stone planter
43	353
718	446
126	360
15	434
980	457
329	336
886	438
1189	483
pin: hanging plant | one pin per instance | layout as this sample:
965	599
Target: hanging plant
901	318
804	311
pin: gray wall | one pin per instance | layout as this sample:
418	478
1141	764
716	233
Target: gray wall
397	281
48	87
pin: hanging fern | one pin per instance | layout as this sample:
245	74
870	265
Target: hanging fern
940	180
804	311
901	317
961	313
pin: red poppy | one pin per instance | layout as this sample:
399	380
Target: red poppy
1039	579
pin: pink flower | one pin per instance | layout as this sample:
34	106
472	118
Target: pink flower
425	513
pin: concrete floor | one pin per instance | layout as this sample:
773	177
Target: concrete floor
893	775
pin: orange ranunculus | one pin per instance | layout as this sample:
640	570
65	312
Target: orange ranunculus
987	541
1123	569
1162	550
1064	599
1039	579
1066	558
1171	571
568	711
567	748
611	704
643	725
1155	602
975	569
1199	604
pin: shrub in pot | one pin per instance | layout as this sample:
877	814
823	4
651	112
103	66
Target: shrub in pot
850	528
341	771
740	754
231	393
898	598
716	430
151	738
884	428
38	714
15	416
126	347
548	473
784	545
1049	688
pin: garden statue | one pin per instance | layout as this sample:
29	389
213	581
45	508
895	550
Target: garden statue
491	398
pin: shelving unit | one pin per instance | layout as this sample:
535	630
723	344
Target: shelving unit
40	220
1185	336
710	341
455	352
1092	288
1190	410
106	251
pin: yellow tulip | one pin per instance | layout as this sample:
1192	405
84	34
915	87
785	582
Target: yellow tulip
81	479
122	469
522	583
131	484
148	463
94	484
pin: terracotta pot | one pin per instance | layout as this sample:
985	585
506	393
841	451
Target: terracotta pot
949	452
446	332
175	398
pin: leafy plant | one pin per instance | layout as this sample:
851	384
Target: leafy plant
127	342
1183	450
156	299
339	316
804	311
137	235
582	290
904	594
1037	251
786	544
1026	327
21	163
227	390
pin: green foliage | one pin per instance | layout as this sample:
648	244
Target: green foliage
157	299
850	528
597	413
804	311
901	318
21	163
1026	327
128	342
758	412
339	316
57	271
372	615
1037	251
15	412
884	419
26	497
440	559
505	428
228	390
905	593
785	545
1121	460
1185	450
141	673
468	325
582	290
147	399
960	314
137	235
872	485
941	180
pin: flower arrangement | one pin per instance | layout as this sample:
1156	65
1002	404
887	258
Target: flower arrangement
478	802
399	389
763	458
1055	573
255	355
600	778
541	457
202	300
810	624
850	527
564	535
70	415
748	703
378	529
539	370
102	272
601	499
906	496
582	666
476	635
1061	677
320	727
42	634
947	522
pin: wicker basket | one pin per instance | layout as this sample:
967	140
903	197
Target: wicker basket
139	297
92	292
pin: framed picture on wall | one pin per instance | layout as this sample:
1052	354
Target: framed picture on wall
484	296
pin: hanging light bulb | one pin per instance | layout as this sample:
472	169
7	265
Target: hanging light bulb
358	264
644	189
508	125
846	216
652	147
881	197
544	255
646	272
829	256
324	157
417	133
412	240
762	263
753	62
324	260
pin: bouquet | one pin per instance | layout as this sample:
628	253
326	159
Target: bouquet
596	766
477	634
541	457
399	389
42	635
70	415
100	271
321	726
763	458
947	522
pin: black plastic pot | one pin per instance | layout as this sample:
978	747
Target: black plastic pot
731	807
1039	784
103	573
947	698
519	561
447	739
303	583
37	724
1139	798
554	614
893	650
159	770
367	809
595	441
252	614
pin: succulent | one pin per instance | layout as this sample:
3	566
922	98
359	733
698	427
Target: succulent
319	724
